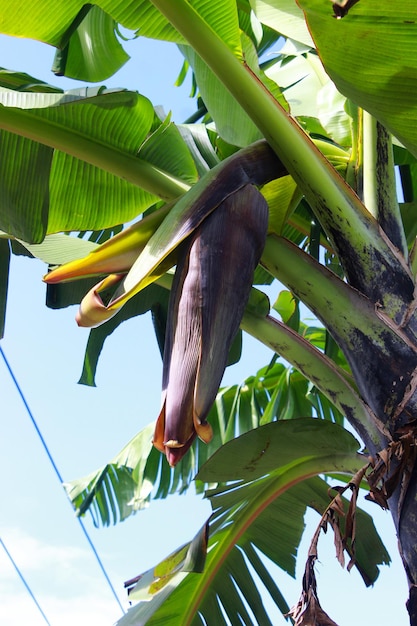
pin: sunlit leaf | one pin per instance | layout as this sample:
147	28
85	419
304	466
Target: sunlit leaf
287	307
166	149
285	17
55	182
91	63
141	15
282	196
378	70
232	123
24	82
301	76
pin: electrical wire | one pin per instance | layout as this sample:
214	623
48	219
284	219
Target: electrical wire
29	590
58	474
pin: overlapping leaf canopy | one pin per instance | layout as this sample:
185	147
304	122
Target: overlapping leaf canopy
93	159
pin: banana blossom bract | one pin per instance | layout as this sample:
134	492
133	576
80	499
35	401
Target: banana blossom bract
114	257
254	165
211	287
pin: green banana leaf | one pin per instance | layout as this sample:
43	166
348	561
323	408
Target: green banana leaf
232	123
21	81
91	63
285	17
40	186
371	55
139	473
52	26
260	515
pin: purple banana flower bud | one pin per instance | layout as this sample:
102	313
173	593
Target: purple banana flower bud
211	287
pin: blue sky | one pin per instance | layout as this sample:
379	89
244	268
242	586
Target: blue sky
85	427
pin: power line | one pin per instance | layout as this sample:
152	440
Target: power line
58	474
29	590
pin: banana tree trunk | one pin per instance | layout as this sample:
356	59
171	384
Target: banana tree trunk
404	512
387	378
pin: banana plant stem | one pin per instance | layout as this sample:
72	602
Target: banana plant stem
321	183
379	186
353	231
321	371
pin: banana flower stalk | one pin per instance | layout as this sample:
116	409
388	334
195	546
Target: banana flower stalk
210	290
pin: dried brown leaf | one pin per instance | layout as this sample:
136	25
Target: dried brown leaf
378	497
339	543
308	612
393	468
350	525
337	506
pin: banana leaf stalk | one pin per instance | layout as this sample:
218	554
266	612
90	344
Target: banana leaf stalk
211	287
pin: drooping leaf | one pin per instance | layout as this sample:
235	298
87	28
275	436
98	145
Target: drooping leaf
119	488
104	122
261	512
24	187
92	51
21	81
370	550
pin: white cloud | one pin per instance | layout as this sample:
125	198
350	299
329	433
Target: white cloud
31	554
67	585
18	609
